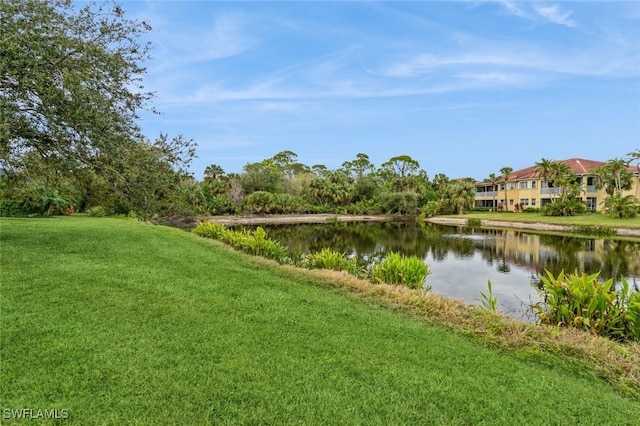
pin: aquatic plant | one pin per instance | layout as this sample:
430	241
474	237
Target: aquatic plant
585	302
397	268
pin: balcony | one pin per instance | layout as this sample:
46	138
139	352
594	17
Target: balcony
486	194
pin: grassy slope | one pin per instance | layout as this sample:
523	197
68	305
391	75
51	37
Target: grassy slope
119	322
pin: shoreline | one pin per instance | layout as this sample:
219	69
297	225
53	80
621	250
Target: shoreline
290	219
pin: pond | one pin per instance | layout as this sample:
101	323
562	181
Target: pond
462	260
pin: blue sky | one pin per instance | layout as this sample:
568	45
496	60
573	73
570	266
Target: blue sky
464	87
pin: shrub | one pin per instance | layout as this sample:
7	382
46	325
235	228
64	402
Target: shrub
432	208
211	230
584	302
255	242
403	203
329	259
565	208
287	203
260	202
397	268
96	211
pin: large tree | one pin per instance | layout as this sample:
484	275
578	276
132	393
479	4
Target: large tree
70	92
70	79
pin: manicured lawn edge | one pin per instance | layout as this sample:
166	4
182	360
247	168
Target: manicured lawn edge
616	363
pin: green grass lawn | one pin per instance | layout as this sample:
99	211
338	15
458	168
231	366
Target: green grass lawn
589	219
124	323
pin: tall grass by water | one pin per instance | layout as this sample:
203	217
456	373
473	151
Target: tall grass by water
396	268
118	322
583	301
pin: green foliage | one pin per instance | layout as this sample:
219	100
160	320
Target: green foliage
568	207
431	209
262	176
252	242
489	301
594	230
186	333
70	78
402	203
332	189
97	211
364	207
622	207
397	268
212	230
260	202
474	223
330	259
584	302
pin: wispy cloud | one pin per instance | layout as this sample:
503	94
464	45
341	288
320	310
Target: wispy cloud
536	12
223	38
553	14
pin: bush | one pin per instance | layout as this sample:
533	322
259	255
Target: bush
329	259
255	243
97	211
565	208
397	268
403	203
211	230
287	203
260	202
582	301
431	209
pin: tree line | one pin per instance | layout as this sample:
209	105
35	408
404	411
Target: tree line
71	87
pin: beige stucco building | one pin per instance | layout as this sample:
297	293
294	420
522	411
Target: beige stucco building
526	189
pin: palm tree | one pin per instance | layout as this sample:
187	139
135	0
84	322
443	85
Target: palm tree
635	156
506	172
213	172
461	195
543	170
614	176
560	175
621	207
493	180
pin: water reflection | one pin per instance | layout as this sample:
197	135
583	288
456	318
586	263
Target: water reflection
462	260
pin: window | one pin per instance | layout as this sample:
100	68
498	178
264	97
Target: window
502	187
511	202
512	185
533	201
524	201
534	184
524	184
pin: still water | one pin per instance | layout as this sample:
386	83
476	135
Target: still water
462	260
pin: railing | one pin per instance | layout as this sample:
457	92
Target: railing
550	191
591	188
486	193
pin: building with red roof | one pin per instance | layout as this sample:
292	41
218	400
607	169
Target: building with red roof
525	188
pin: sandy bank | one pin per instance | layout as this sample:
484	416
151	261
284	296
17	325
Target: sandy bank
329	218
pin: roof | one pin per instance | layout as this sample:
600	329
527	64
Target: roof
578	166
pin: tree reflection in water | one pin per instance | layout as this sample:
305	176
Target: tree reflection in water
468	257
